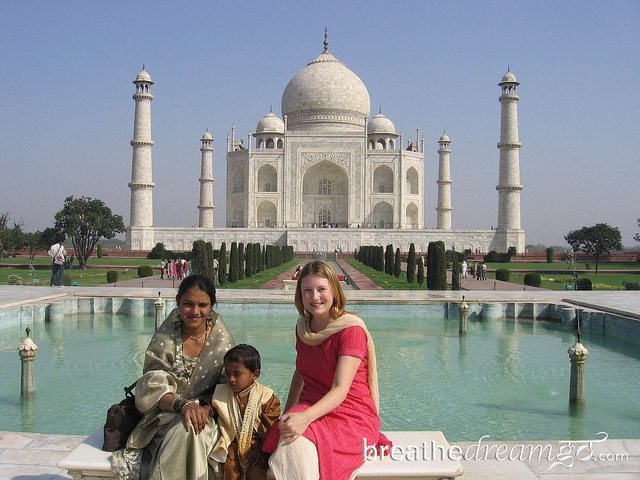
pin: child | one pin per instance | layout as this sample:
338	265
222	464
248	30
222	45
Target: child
246	411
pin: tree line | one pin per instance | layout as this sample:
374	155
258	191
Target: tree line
433	269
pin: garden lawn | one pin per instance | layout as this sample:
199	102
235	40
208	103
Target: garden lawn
388	282
260	278
90	277
606	281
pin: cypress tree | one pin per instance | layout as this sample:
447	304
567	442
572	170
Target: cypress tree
248	259
440	260
430	266
209	272
241	265
222	264
388	260
197	256
233	263
380	258
411	264
455	272
258	258
420	277
397	264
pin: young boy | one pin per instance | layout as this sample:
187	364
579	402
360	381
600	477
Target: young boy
245	410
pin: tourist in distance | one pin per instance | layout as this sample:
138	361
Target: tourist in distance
183	364
245	410
332	406
58	255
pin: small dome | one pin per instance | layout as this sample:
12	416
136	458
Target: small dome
270	123
509	78
381	124
144	76
444	138
207	136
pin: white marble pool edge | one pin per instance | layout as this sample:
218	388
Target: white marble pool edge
26	456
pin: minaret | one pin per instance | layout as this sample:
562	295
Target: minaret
444	184
141	184
206	182
509	178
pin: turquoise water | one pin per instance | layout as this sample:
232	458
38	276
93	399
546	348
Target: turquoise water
507	378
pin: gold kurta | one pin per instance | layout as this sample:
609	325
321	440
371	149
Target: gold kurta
226	448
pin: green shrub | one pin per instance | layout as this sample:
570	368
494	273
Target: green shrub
631	285
99	250
145	271
495	257
112	276
550	254
158	252
587	266
584	284
503	274
532	279
14	280
68	280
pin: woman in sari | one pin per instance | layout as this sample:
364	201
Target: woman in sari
183	364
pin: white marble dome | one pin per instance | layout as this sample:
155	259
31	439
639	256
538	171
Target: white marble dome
444	138
326	92
381	125
270	123
509	78
207	136
143	76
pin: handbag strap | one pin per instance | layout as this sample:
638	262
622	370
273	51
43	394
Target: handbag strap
128	391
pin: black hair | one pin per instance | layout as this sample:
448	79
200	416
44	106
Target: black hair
201	283
244	354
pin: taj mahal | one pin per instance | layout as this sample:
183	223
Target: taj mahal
326	175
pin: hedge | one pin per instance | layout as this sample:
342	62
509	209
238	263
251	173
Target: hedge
532	279
503	274
145	271
112	276
584	284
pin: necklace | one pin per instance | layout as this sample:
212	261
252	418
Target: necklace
197	338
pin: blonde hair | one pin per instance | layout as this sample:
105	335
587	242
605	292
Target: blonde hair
323	270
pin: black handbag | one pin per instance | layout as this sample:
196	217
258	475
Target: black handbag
122	418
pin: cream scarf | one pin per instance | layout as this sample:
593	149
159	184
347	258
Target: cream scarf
303	328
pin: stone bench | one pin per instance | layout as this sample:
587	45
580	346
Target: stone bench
416	455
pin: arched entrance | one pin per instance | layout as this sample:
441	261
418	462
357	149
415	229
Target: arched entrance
325	197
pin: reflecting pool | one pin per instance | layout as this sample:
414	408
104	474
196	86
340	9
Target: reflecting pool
506	378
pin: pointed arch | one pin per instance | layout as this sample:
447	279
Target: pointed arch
267	179
325	185
412	178
382	215
411	216
383	179
267	214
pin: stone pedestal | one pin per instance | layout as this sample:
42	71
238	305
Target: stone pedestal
578	355
27	351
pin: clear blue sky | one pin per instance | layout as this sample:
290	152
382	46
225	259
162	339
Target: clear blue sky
66	115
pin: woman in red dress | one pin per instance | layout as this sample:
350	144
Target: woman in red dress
332	406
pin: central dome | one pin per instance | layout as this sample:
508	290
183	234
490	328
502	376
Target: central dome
326	94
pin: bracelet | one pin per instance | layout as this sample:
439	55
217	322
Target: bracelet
184	403
176	404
